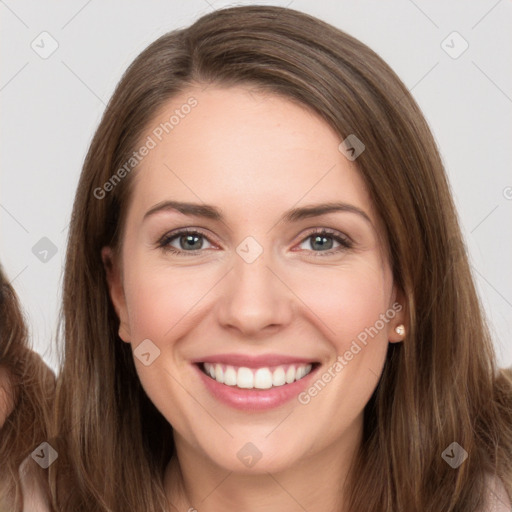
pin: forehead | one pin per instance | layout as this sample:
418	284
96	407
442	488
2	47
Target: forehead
247	151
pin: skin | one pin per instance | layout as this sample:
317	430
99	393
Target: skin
6	403
254	156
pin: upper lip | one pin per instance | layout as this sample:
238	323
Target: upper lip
252	361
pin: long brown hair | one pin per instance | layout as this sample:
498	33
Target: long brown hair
29	394
441	385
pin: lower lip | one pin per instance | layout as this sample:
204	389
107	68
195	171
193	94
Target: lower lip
255	399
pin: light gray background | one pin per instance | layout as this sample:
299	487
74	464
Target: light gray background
51	107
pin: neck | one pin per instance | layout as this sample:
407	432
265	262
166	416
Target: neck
316	483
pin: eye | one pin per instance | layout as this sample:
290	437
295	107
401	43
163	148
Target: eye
191	241
324	240
187	241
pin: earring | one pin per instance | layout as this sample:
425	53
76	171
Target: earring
400	329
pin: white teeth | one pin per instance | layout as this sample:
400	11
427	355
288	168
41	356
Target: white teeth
278	377
229	375
219	373
262	378
245	378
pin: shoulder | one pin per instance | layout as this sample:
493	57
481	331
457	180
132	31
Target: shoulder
496	498
32	487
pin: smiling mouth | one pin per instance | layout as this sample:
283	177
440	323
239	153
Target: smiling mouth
257	378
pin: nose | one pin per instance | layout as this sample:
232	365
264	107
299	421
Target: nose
255	298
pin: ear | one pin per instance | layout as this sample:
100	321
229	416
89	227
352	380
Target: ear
398	306
115	286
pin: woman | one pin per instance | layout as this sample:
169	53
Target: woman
215	354
26	389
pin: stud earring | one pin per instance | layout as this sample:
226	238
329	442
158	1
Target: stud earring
400	329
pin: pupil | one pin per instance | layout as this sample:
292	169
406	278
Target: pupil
193	239
321	240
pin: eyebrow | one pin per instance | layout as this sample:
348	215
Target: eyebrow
293	215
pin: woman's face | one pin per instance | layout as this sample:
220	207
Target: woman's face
251	289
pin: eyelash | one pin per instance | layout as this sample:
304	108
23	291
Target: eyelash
345	242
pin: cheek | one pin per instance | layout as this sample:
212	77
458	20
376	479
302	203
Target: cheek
160	304
348	300
158	298
343	301
351	303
